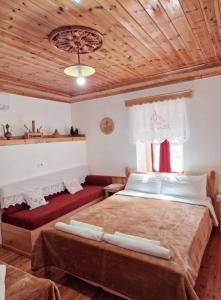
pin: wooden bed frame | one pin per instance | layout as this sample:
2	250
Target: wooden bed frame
211	192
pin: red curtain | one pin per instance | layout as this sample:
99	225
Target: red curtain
165	165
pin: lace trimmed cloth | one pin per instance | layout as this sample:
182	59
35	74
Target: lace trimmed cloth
12	194
159	121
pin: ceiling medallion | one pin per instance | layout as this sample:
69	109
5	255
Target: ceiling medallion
77	40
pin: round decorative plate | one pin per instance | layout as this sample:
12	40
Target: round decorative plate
72	38
107	125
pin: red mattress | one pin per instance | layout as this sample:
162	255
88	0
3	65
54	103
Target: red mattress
58	205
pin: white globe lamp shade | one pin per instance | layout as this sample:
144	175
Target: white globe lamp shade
79	71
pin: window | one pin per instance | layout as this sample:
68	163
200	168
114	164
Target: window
159	130
176	156
148	157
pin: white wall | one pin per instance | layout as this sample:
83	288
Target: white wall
25	161
109	154
22	110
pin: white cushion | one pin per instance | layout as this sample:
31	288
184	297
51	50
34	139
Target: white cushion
35	198
146	183
72	185
185	186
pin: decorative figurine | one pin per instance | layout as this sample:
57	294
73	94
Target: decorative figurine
32	133
7	133
74	132
56	133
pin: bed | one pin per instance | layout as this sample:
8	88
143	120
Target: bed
20	285
181	226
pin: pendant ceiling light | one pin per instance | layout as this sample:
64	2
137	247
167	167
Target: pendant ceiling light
77	40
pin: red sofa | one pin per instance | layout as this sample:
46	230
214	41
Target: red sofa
58	204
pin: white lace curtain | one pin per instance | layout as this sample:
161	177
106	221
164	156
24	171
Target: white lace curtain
157	121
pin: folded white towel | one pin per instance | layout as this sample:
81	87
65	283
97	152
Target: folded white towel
137	238
86	225
2	281
138	246
83	232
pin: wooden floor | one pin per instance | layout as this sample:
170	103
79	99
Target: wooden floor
208	286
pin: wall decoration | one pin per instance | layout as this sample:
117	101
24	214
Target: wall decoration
7	133
107	125
74	132
56	133
32	133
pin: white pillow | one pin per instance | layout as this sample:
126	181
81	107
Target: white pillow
185	186
35	198
72	185
146	183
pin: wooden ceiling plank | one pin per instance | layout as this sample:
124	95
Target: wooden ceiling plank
57	50
160	17
116	31
42	74
30	59
24	91
132	53
187	74
135	8
211	12
176	14
28	47
141	43
26	75
20	82
43	69
194	15
45	62
124	18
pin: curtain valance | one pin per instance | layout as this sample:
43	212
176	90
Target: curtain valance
158	121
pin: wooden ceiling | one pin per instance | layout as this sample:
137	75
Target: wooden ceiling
146	43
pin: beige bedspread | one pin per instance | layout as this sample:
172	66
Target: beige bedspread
181	227
23	286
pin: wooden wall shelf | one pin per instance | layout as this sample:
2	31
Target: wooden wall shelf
44	139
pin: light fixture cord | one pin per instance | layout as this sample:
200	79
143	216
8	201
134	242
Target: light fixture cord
79	62
78	53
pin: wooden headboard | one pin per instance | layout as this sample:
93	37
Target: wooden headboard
211	181
212	189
